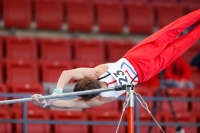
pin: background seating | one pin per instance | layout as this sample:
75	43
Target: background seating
24	48
17	13
49	14
80	15
39	39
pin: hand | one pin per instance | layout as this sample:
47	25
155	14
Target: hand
42	103
36	101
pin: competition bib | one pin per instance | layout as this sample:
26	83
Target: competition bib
120	77
123	72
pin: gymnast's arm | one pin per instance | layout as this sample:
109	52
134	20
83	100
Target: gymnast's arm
78	74
80	103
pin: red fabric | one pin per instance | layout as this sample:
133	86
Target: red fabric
159	50
178	70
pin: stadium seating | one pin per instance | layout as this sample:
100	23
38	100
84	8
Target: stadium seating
195	77
178	106
51	70
111	17
182	117
195	104
72	116
146	117
25	89
168	13
164	2
145	93
80	15
5	127
49	14
92	64
1	73
34	127
3	89
55	49
21	48
135	1
106	116
21	71
89	50
1	48
17	13
137	15
116	49
190	1
98	1
189	54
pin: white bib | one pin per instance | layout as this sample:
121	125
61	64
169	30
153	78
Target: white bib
124	73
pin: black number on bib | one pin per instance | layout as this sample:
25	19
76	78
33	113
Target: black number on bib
121	73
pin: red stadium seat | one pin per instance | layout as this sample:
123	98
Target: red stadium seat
190	53
34	127
193	7
177	105
195	104
146	93
1	73
135	1
89	50
111	17
116	49
5	127
182	117
164	2
1	48
146	117
49	14
168	13
153	83
3	89
56	49
26	89
51	71
98	1
138	13
106	116
21	48
78	64
80	15
195	77
190	1
72	116
17	13
21	71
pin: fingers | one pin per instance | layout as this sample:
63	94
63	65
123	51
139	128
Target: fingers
36	101
42	103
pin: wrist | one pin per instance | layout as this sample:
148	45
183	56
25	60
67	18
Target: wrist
57	90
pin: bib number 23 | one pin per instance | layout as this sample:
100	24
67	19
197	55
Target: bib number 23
120	76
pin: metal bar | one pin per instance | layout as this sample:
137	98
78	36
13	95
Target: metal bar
24	108
130	109
71	122
137	118
119	98
116	88
82	122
